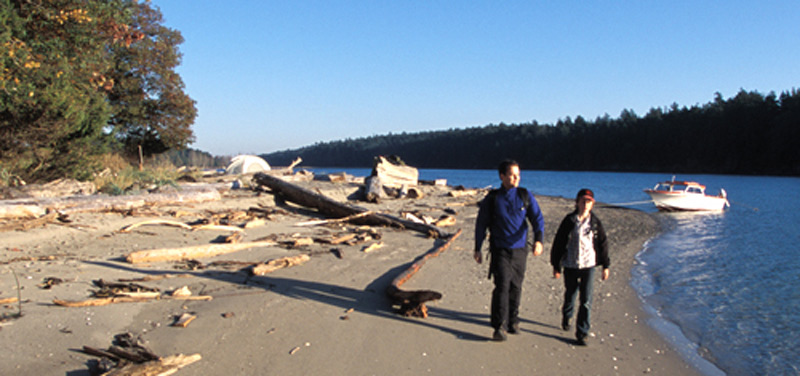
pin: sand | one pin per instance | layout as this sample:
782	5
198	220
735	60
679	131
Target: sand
329	316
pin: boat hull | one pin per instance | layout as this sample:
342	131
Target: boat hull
682	201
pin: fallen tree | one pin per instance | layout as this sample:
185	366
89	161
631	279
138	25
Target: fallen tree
332	208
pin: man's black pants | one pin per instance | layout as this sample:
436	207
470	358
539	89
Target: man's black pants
508	268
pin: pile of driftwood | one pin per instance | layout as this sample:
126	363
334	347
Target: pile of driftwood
236	222
130	357
391	177
412	303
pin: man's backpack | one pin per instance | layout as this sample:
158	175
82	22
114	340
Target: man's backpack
492	196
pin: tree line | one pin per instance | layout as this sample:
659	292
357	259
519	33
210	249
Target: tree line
192	158
750	133
83	78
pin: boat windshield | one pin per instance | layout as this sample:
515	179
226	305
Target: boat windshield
670	187
679	187
694	190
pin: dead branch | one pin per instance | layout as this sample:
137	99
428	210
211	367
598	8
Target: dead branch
337	220
217	227
183	320
96	302
164	222
156	277
284	262
161	367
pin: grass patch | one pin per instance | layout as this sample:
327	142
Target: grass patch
120	177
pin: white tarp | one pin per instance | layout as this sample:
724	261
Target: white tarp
247	164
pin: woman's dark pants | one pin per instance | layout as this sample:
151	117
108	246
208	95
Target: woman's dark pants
578	280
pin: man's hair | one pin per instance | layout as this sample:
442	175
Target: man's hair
506	165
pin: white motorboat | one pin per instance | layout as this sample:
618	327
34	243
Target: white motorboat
678	195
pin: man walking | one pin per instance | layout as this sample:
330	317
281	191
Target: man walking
579	246
503	212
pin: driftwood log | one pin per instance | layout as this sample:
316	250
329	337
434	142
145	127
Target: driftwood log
37	207
412	303
327	206
395	175
191	252
373	189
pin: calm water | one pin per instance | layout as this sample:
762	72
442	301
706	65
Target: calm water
724	285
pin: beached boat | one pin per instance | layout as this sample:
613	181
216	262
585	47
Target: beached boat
678	195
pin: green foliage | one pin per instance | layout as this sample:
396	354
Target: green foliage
61	62
51	104
132	180
150	108
748	134
191	158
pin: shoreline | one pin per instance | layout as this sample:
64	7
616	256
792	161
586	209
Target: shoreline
253	323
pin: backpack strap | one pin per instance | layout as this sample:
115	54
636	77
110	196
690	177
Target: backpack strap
492	197
526	198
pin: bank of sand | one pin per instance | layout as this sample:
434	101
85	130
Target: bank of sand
298	321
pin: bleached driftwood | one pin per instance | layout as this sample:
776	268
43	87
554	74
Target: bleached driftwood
372	247
337	220
164	222
192	252
395	175
95	302
37	207
218	228
466	192
444	221
55	188
373	189
184	320
161	367
284	262
342	239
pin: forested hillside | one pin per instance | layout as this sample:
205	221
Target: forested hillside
750	133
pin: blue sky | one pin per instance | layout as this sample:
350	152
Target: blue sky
276	75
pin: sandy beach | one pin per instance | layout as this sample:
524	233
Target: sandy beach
329	316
